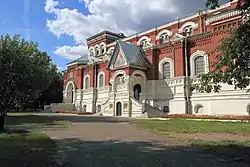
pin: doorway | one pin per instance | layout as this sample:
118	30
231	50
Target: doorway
137	91
118	109
70	93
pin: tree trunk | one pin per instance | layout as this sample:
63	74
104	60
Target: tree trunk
1	122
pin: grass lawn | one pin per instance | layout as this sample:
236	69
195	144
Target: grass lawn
192	126
20	148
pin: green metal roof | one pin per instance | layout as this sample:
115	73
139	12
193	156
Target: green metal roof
81	60
134	55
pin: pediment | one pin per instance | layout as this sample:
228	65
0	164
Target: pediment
120	60
177	36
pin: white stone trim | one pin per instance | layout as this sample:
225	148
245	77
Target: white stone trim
192	58
91	49
143	38
98	77
98	47
104	45
164	60
141	73
222	16
109	50
117	73
70	82
192	24
84	81
169	33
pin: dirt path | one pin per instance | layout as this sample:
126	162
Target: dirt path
118	144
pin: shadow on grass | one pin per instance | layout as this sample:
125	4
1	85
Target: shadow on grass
27	149
77	153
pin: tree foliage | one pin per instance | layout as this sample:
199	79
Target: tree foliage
25	72
232	65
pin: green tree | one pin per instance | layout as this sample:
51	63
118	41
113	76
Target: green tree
24	73
232	64
53	94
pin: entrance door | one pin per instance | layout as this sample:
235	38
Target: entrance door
118	109
70	94
137	91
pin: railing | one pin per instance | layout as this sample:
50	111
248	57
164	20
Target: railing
137	103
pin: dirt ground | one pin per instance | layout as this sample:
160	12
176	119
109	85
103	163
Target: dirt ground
102	143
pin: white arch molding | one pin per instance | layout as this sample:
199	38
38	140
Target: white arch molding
97	47
104	46
98	77
70	96
110	49
169	33
192	24
143	38
141	73
161	63
118	73
84	81
67	85
192	63
92	49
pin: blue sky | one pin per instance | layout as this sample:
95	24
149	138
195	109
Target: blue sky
28	18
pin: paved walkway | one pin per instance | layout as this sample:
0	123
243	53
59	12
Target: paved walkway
108	142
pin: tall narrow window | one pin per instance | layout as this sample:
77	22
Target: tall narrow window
87	83
199	65
166	70
102	50
143	43
101	80
188	31
97	51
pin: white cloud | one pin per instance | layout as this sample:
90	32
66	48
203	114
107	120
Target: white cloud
127	16
71	52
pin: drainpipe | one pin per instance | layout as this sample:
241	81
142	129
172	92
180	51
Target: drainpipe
173	58
201	22
187	93
95	88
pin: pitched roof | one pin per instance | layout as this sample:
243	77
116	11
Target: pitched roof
134	55
81	60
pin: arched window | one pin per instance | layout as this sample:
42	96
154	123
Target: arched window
248	109
86	83
199	65
102	49
188	31
119	79
166	109
97	51
166	70
111	51
99	108
84	108
143	43
91	53
198	109
163	38
101	80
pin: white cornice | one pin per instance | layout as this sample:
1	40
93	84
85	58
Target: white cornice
222	16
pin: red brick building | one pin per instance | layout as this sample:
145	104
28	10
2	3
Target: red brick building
146	72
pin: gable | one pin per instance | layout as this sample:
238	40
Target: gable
120	60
